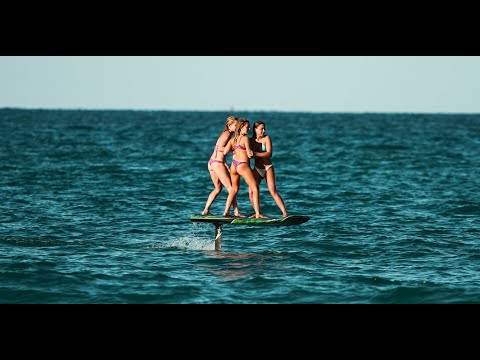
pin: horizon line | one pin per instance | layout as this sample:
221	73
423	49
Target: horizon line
235	110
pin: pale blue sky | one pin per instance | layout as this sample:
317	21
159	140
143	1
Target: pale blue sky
278	83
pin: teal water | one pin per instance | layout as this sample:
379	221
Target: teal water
96	206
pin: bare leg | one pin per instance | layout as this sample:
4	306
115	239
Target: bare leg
258	179
270	178
236	211
232	191
247	175
213	195
223	174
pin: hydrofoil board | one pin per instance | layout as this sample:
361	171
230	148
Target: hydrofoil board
288	221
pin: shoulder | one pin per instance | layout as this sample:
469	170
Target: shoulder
223	138
267	138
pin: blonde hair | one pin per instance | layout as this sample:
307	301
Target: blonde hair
230	121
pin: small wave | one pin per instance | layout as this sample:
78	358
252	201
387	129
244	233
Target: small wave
30	241
386	147
138	168
464	210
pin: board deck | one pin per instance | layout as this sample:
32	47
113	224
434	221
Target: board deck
288	221
212	219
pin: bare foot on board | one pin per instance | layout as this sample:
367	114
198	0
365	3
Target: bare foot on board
260	216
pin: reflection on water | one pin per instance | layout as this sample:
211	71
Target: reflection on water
235	266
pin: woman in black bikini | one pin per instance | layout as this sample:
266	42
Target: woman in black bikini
240	146
218	168
261	146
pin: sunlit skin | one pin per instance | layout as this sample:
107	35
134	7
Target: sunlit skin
263	159
243	169
220	172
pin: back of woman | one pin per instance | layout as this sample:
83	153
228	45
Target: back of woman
240	145
218	168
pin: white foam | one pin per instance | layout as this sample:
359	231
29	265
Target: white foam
199	238
193	243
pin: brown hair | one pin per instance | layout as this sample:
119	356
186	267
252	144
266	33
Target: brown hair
255	125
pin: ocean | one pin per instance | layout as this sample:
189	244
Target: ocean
96	208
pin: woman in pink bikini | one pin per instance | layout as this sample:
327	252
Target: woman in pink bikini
261	146
218	168
240	146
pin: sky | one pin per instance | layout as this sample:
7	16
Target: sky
428	84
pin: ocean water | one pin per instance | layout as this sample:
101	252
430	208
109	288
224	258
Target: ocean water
96	208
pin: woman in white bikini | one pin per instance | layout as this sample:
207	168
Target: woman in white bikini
240	146
218	168
261	146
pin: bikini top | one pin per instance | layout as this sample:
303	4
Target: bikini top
263	148
241	147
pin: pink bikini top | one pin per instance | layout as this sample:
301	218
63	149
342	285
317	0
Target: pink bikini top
236	147
239	147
